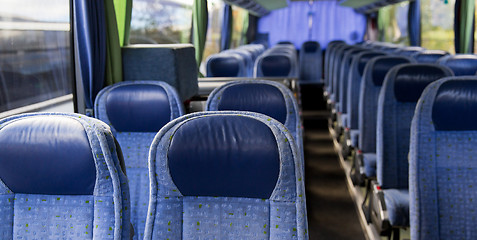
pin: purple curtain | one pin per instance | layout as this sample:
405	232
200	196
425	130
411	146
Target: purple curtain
330	22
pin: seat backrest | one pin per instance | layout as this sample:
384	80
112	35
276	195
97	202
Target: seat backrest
373	78
408	51
136	111
275	65
443	162
336	71
226	65
401	89
60	178
248	60
461	64
354	84
329	55
225	175
429	56
343	81
311	62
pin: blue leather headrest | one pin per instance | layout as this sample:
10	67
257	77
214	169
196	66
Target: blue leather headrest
382	66
411	80
226	156
455	105
364	59
224	66
310	47
276	66
47	155
254	97
429	56
461	65
138	108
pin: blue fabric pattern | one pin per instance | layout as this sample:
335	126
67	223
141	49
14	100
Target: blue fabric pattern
369	161
397	203
311	62
103	215
442	173
135	148
173	216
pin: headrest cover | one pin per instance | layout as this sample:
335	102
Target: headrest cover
254	97
226	156
276	66
455	105
47	155
224	66
382	66
461	65
411	80
138	108
364	59
310	47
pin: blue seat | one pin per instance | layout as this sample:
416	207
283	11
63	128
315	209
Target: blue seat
311	63
429	56
397	101
276	65
225	175
136	111
226	65
408	51
442	167
329	55
461	64
267	97
61	178
336	72
247	58
373	78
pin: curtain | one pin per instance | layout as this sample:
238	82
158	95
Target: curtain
226	33
123	10
330	22
464	31
414	21
114	68
90	25
199	26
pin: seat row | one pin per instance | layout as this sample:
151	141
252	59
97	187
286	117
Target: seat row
237	62
373	89
232	172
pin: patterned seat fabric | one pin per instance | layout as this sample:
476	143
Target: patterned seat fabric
442	161
329	60
461	64
373	78
279	61
311	62
225	175
397	101
136	111
227	64
61	179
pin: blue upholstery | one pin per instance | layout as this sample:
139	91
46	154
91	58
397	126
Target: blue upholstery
397	204
429	56
137	105
330	52
73	189
373	78
311	62
341	105
442	162
279	61
336	71
461	64
173	215
226	65
408	51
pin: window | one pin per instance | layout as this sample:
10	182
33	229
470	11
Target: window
240	20
35	52
438	24
393	23
161	21
212	43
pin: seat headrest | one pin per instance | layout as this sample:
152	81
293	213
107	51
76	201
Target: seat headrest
46	155
254	97
138	108
224	66
225	156
411	79
429	56
276	66
455	105
364	58
310	47
382	65
461	65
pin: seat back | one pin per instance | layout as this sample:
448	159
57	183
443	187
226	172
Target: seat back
442	161
61	178
429	56
397	101
373	78
136	111
275	65
342	96
336	71
408	51
225	175
311	62
461	64
329	60
226	65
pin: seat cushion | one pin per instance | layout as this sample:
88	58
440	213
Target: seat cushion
369	160
397	203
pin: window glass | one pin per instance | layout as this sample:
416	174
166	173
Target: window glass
35	53
216	13
393	23
240	19
437	23
161	21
